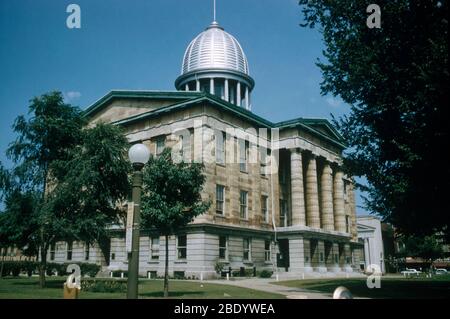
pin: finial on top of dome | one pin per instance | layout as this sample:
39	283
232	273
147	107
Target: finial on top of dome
214	24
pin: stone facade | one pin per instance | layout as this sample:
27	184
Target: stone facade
298	215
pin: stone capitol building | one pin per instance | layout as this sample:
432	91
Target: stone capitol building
284	206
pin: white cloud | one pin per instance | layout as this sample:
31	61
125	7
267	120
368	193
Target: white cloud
72	95
333	102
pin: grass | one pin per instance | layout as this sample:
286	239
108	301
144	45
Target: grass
392	287
28	288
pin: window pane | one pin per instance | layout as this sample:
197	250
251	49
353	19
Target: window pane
220	198
222	247
182	241
220	147
243	204
222	241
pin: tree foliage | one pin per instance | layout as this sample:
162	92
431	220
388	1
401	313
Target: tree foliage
171	197
427	247
92	184
396	80
68	180
171	193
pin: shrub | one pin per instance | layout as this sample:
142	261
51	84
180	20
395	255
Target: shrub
104	285
90	270
265	273
14	268
218	267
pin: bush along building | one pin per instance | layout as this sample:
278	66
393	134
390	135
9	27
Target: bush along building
280	200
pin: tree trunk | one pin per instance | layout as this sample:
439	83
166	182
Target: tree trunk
42	266
166	270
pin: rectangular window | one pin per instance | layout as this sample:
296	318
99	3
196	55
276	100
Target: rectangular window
183	148
220	147
283	213
86	251
243	205
247	247
52	251
243	155
264	208
160	144
264	160
267	250
69	250
154	248
113	256
220	199
223	245
186	148
179	148
181	247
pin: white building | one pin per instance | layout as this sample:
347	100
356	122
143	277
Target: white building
369	233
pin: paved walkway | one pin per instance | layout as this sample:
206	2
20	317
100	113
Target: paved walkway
265	285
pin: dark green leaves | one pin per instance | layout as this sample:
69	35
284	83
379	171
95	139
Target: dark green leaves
396	81
171	193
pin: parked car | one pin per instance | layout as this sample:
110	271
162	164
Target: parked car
441	271
411	271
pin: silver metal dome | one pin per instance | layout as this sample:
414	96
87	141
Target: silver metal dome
214	49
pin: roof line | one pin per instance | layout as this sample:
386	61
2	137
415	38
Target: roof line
190	97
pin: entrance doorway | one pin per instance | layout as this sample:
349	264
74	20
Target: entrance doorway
283	255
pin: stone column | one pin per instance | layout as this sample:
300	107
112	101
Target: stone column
226	90
335	249
327	197
297	192
307	255
312	196
338	201
197	85
352	205
348	258
186	87
211	85
367	257
238	94
321	267
247	102
296	255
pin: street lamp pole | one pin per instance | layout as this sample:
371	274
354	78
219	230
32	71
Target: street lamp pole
139	155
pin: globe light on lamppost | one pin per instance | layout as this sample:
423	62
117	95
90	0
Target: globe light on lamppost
139	156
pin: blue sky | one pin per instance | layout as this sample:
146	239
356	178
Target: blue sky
139	44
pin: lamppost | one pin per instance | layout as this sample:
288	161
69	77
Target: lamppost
138	155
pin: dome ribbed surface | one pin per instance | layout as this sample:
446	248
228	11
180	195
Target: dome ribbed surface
214	49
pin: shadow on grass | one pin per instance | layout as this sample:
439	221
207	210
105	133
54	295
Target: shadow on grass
390	288
53	284
160	294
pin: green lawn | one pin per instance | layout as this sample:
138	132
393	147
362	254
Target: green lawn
437	287
19	288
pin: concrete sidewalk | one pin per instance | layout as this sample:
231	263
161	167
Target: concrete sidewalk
266	286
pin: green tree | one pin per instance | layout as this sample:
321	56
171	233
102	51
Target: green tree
51	130
92	185
171	198
428	247
396	80
77	176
